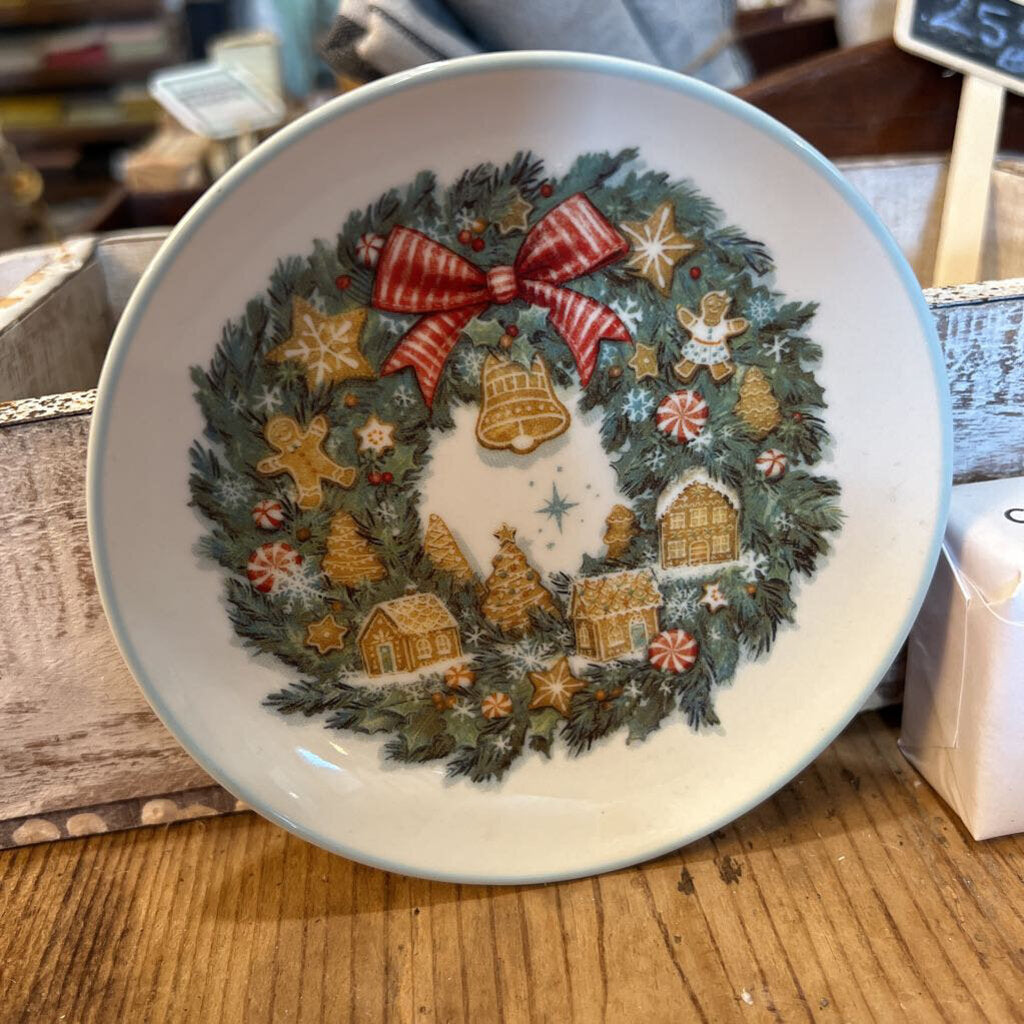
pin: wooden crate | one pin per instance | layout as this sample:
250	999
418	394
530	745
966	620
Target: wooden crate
80	750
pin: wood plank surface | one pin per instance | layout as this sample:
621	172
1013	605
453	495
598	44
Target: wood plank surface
852	895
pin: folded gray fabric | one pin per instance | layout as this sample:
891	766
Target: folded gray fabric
371	38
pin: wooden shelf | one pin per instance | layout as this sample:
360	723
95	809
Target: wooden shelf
57	12
99	74
29	136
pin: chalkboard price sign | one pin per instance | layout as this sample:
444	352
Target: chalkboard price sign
981	37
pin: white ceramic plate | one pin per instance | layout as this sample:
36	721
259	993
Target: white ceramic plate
443	365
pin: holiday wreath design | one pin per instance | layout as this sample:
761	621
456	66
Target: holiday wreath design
513	308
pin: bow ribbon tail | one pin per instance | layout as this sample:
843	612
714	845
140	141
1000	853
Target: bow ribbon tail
426	346
581	321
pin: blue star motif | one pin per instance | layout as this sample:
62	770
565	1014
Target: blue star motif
556	507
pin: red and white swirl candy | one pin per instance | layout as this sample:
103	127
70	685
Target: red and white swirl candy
674	651
269	563
682	415
771	463
268	515
368	249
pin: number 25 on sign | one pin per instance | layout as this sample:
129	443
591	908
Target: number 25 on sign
985	40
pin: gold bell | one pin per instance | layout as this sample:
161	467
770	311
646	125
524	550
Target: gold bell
519	409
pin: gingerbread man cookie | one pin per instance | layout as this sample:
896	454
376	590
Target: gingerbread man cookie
300	454
708	344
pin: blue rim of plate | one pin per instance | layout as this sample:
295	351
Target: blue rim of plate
513	61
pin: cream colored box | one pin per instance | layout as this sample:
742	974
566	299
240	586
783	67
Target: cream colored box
963	713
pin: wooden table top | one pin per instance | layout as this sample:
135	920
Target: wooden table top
852	895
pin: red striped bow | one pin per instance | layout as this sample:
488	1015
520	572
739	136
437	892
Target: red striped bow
418	275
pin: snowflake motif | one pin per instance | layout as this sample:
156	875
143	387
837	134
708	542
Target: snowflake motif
638	406
269	401
726	431
703	442
300	588
656	460
777	348
760	310
238	403
681	605
608	357
462	710
473	636
666	687
290	372
464	220
232	490
529	655
387	511
501	743
403	396
470	363
616	208
717	632
783	521
632	691
630	312
754	564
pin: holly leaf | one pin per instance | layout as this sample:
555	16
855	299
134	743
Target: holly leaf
542	729
522	351
421	728
484	333
531	320
401	462
463	729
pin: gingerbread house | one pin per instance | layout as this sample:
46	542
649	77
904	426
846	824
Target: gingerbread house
615	614
406	634
698	522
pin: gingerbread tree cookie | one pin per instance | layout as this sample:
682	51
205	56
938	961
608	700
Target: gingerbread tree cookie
443	550
514	587
350	558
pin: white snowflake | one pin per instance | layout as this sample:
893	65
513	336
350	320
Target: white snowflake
703	442
232	490
501	743
638	405
760	310
666	687
777	348
609	355
238	403
656	459
464	219
529	655
473	636
753	564
630	312
299	588
470	362
462	710
716	632
403	396
680	605
631	690
783	521
269	401
387	511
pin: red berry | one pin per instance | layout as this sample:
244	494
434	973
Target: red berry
512	331
477	244
798	416
464	237
343	281
374	477
695	273
388	478
546	190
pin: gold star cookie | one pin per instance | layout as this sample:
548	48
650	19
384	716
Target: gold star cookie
644	361
656	246
326	346
325	635
555	688
375	435
515	216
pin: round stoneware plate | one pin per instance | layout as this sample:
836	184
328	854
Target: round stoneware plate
518	467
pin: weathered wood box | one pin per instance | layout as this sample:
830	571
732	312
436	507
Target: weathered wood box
80	750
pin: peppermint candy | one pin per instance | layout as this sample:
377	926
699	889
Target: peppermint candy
771	463
368	249
459	677
268	515
674	651
269	564
497	705
682	415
